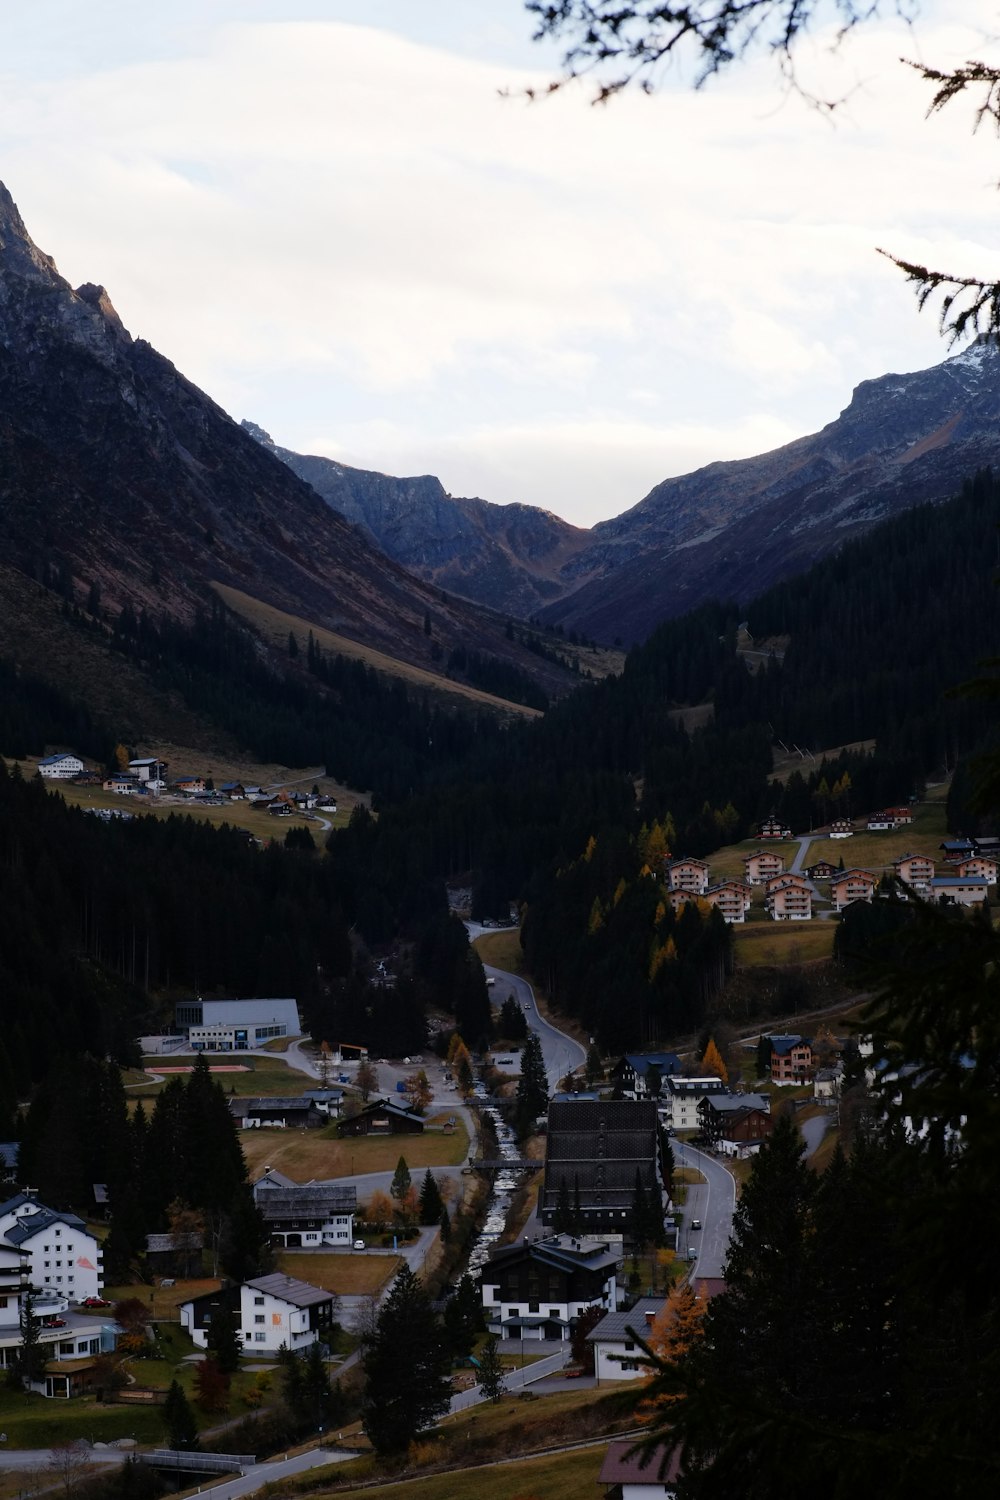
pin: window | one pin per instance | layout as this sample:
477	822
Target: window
259	1338
259	1318
258	1302
66	1348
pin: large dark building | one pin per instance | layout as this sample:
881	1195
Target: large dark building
594	1151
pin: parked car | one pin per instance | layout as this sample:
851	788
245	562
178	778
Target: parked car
695	1223
359	1244
96	1302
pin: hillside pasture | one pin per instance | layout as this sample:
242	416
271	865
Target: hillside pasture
302	1155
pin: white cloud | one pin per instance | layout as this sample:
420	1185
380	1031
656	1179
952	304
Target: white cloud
349	236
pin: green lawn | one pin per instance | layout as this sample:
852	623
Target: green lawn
263	1076
561	1476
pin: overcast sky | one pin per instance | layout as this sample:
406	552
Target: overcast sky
326	214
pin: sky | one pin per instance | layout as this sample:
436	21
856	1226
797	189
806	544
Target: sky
343	220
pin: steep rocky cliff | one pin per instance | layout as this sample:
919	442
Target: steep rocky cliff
511	557
116	471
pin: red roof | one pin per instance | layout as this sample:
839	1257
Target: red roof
623	1464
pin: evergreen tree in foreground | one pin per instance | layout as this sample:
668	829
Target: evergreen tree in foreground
406	1366
431	1202
182	1429
532	1094
491	1376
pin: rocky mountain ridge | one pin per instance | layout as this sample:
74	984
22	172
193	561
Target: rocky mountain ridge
510	557
726	530
120	476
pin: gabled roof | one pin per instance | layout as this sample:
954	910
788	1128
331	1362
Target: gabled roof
288	1289
641	1062
784	1042
615	1325
310	1200
622	1467
31	1224
561	1251
733	1103
691	1086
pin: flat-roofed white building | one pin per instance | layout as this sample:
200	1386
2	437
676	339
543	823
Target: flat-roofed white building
236	1025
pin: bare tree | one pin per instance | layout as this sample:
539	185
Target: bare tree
68	1464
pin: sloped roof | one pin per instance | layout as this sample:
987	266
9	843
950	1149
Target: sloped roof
622	1467
614	1326
31	1224
310	1199
288	1289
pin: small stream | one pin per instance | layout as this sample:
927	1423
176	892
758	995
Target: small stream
504	1187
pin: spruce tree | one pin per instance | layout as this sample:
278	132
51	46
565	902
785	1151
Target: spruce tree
431	1202
532	1094
179	1419
401	1181
223	1341
491	1374
406	1365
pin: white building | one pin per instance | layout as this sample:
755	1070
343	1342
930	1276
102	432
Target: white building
626	1477
617	1356
310	1215
60	767
62	1253
680	1097
236	1025
272	1311
538	1289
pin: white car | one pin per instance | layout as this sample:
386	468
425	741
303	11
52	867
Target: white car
359	1244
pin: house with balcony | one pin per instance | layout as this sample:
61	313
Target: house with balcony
732	897
63	767
679	1101
792	1059
762	866
823	869
914	870
981	866
841	828
538	1289
788	898
773	828
852	885
310	1215
735	1124
63	1256
958	890
271	1311
687	875
635	1074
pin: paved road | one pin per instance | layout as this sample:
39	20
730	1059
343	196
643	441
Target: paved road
713	1202
517	1380
561	1053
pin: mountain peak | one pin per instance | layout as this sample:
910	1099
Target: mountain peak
18	252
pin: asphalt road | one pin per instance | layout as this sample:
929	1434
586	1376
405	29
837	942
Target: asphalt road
713	1202
561	1053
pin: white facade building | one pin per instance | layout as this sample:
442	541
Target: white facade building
680	1097
271	1310
60	767
617	1355
62	1253
236	1025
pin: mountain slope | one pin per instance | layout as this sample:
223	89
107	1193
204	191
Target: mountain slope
511	557
731	529
725	531
121	476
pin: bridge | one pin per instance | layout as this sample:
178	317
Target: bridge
516	1164
198	1463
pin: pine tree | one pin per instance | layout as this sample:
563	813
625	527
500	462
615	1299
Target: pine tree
179	1419
491	1374
406	1367
431	1202
532	1094
401	1182
463	1318
223	1340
